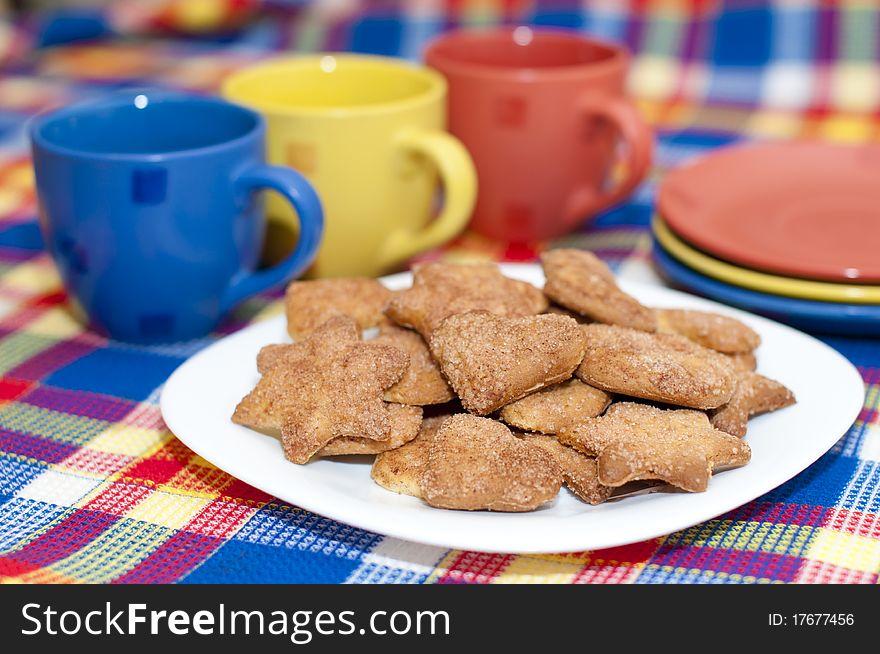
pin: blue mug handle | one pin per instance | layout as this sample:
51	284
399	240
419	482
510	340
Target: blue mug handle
302	196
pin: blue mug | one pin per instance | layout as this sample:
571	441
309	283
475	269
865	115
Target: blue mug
149	207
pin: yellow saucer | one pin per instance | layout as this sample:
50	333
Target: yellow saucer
759	281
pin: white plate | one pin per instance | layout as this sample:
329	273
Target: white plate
200	396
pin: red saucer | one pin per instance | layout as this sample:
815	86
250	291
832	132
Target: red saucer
803	209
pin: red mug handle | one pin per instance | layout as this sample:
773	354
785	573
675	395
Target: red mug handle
639	140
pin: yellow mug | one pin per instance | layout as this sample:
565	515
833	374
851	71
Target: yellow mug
369	134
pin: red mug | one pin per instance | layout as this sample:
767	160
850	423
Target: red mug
540	112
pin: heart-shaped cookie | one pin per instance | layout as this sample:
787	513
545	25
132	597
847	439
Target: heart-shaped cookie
492	360
477	463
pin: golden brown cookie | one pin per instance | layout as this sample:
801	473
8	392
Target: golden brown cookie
422	383
491	360
405	422
556	408
638	441
581	282
400	470
712	330
743	361
327	386
440	290
755	394
477	463
562	311
310	304
579	471
660	367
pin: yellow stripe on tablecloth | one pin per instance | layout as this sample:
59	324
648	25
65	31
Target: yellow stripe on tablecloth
56	323
129	440
10	199
855	87
845	550
42	576
775	124
205	481
672	114
847	129
530	570
113	553
59	426
18	347
443	566
655	78
748	536
20	176
171	510
37	276
869	449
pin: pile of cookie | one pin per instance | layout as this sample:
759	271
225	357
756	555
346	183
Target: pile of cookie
484	392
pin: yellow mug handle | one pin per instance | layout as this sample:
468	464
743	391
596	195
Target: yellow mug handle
459	178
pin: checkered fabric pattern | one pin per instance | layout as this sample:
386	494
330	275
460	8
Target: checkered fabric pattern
93	487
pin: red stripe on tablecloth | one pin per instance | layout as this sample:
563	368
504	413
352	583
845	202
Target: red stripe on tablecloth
238	490
119	498
475	568
156	470
820	572
11	389
615	565
145	416
48	299
606	574
220	519
9	567
96	462
628	554
859	523
22	317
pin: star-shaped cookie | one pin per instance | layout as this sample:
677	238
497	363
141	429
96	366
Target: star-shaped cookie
580	281
491	360
754	394
579	471
328	386
440	290
638	441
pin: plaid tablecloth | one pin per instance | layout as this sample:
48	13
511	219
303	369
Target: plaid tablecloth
93	487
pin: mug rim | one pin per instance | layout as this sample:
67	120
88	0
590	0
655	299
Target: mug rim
617	59
123	98
278	65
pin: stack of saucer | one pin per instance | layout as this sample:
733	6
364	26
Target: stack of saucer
789	230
